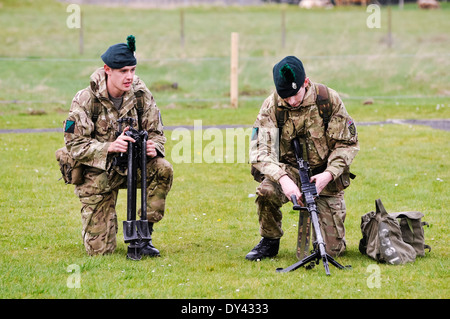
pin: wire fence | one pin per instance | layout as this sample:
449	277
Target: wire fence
383	73
245	62
168	3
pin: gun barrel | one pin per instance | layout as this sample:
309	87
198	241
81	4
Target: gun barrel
309	194
131	180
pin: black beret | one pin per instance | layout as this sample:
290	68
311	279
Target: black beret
120	55
288	76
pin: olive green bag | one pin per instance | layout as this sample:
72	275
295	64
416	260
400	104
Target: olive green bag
388	241
72	171
412	228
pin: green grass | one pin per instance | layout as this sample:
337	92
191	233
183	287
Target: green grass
211	221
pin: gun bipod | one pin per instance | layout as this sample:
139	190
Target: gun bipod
318	252
314	258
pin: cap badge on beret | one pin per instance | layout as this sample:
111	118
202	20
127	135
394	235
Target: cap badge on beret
288	76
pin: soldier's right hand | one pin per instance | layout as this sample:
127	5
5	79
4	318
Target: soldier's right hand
120	145
290	188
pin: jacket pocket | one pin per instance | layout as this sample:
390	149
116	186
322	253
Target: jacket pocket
317	146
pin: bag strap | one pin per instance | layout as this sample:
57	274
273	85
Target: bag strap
140	106
96	110
323	104
281	113
380	207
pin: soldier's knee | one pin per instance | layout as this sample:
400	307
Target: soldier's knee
267	192
164	169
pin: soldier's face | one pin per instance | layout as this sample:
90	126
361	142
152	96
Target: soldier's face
297	99
119	80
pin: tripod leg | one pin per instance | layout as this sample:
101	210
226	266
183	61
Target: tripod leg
303	236
143	228
300	263
336	264
144	177
325	265
131	235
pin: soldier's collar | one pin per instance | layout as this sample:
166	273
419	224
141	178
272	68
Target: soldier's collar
98	84
309	97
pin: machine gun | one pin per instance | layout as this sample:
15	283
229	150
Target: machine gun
309	194
135	232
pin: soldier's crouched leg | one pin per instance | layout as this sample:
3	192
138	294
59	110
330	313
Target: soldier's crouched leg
99	223
159	183
269	201
331	218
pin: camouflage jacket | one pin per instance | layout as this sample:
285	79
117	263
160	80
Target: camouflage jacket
333	149
87	141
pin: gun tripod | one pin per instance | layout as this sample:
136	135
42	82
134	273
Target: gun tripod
136	232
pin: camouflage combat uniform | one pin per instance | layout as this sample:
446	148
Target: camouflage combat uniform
88	143
332	150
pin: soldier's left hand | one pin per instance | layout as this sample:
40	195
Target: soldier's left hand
321	180
151	148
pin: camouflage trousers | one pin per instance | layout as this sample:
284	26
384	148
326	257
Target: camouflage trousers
331	217
98	211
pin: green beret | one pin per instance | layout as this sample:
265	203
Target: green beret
288	76
120	55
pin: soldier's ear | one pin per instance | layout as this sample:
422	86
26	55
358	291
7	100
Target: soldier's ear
306	82
107	69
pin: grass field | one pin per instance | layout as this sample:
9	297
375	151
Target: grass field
211	221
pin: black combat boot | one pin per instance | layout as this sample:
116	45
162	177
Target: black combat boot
147	248
266	248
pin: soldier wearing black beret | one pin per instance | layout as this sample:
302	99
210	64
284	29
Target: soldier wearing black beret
115	93
316	115
120	55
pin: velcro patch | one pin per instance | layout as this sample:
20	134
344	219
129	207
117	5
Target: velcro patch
254	133
70	127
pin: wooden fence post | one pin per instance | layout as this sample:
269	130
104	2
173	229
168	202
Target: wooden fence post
283	28
234	69
81	35
182	28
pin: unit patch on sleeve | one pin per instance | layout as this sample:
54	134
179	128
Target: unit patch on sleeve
70	127
352	127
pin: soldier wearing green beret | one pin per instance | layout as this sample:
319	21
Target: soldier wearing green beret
330	141
114	93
